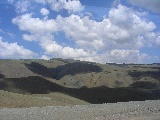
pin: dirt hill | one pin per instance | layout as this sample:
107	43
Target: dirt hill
70	82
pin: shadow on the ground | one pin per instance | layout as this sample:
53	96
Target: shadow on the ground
137	66
145	85
2	76
29	85
60	71
75	68
97	95
139	74
2	83
40	69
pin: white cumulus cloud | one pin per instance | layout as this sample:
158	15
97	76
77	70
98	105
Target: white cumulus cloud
35	25
52	48
45	57
41	31
117	38
123	29
158	41
13	50
122	56
70	5
152	5
40	1
44	11
21	6
128	56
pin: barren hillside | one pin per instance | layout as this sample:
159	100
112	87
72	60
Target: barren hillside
70	82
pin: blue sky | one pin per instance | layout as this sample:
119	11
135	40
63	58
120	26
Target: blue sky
121	31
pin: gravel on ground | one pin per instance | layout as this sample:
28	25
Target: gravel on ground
137	110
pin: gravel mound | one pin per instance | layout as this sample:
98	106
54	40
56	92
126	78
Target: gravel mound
137	110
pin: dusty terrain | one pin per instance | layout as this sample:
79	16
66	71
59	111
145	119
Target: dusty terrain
37	83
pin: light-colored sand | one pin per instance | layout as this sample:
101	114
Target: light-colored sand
144	110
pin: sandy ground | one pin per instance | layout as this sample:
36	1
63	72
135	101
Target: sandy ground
144	110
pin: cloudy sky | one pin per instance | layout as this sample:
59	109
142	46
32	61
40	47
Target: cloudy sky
121	31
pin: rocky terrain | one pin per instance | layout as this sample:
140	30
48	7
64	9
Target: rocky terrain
141	110
37	83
